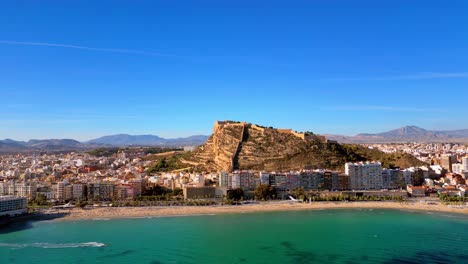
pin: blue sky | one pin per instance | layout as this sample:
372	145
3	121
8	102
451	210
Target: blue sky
83	69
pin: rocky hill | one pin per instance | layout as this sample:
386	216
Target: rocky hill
240	145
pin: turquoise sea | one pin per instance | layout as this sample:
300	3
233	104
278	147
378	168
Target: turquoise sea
327	236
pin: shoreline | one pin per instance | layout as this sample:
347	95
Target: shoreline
107	213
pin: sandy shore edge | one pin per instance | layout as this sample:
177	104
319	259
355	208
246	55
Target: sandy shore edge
104	213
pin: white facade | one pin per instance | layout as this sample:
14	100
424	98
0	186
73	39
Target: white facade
48	195
77	191
60	192
364	176
236	181
10	205
27	190
457	168
244	179
465	163
224	180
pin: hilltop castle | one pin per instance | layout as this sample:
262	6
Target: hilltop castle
305	136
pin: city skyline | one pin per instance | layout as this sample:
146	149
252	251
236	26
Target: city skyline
450	136
173	69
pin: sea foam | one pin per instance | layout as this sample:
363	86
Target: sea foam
53	246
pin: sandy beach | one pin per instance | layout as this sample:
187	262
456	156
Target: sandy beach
136	212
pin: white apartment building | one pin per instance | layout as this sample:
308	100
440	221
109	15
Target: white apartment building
236	180
77	192
10	205
27	190
60	192
364	176
408	176
244	179
465	163
457	168
49	195
224	180
68	192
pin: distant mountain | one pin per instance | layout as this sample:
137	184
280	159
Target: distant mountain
7	146
405	134
196	140
12	146
44	143
9	141
126	140
148	140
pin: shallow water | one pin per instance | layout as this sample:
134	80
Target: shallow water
326	236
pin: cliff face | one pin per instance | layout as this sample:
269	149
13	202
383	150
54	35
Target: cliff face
220	152
239	145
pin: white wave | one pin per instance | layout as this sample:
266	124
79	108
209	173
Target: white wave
53	246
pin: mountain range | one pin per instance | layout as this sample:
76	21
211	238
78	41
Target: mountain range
148	140
403	134
406	134
120	140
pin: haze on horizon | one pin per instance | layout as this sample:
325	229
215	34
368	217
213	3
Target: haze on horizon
84	70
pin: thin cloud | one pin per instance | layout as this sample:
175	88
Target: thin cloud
419	76
129	51
364	108
53	119
205	59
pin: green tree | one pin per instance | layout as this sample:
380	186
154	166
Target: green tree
41	200
235	195
300	194
81	204
265	192
156	190
177	192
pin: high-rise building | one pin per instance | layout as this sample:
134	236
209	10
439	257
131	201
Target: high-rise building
100	191
78	191
457	168
293	181
264	178
4	186
327	181
340	182
10	205
364	175
236	180
446	161
279	180
27	190
465	163
60	192
243	179
68	192
224	180
407	176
